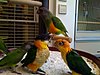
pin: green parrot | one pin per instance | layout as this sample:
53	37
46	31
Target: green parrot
14	57
53	24
3	47
3	0
74	61
37	56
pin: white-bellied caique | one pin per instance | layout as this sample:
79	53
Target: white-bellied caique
74	61
37	55
3	47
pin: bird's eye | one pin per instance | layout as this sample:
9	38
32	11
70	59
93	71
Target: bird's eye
61	43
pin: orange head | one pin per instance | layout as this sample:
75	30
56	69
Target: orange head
62	45
40	44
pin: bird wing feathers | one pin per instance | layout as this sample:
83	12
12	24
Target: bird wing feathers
12	58
30	57
58	24
76	63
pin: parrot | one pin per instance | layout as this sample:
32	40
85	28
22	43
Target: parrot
3	0
53	24
36	56
3	47
74	61
12	58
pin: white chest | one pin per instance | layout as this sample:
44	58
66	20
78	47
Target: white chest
42	56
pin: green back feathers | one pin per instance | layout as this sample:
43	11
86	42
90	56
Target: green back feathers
3	47
58	24
76	63
12	58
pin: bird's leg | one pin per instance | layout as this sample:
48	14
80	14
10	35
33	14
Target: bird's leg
40	72
13	70
69	73
45	61
16	65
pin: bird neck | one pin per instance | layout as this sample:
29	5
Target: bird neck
40	45
66	50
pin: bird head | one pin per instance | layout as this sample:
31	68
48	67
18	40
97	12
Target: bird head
43	37
45	16
41	40
27	45
40	44
44	13
62	45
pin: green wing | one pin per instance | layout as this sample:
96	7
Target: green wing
12	58
76	63
30	56
3	0
58	24
3	47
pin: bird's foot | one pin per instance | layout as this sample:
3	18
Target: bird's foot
16	72
45	61
69	73
40	72
16	66
13	70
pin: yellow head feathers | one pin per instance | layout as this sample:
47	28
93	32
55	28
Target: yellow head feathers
40	44
62	45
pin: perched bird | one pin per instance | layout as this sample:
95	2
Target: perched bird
53	24
3	0
14	57
36	56
75	62
3	47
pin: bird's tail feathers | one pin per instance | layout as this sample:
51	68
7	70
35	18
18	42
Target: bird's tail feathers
65	34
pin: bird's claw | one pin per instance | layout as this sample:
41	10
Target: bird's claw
40	72
45	61
69	73
16	72
13	70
